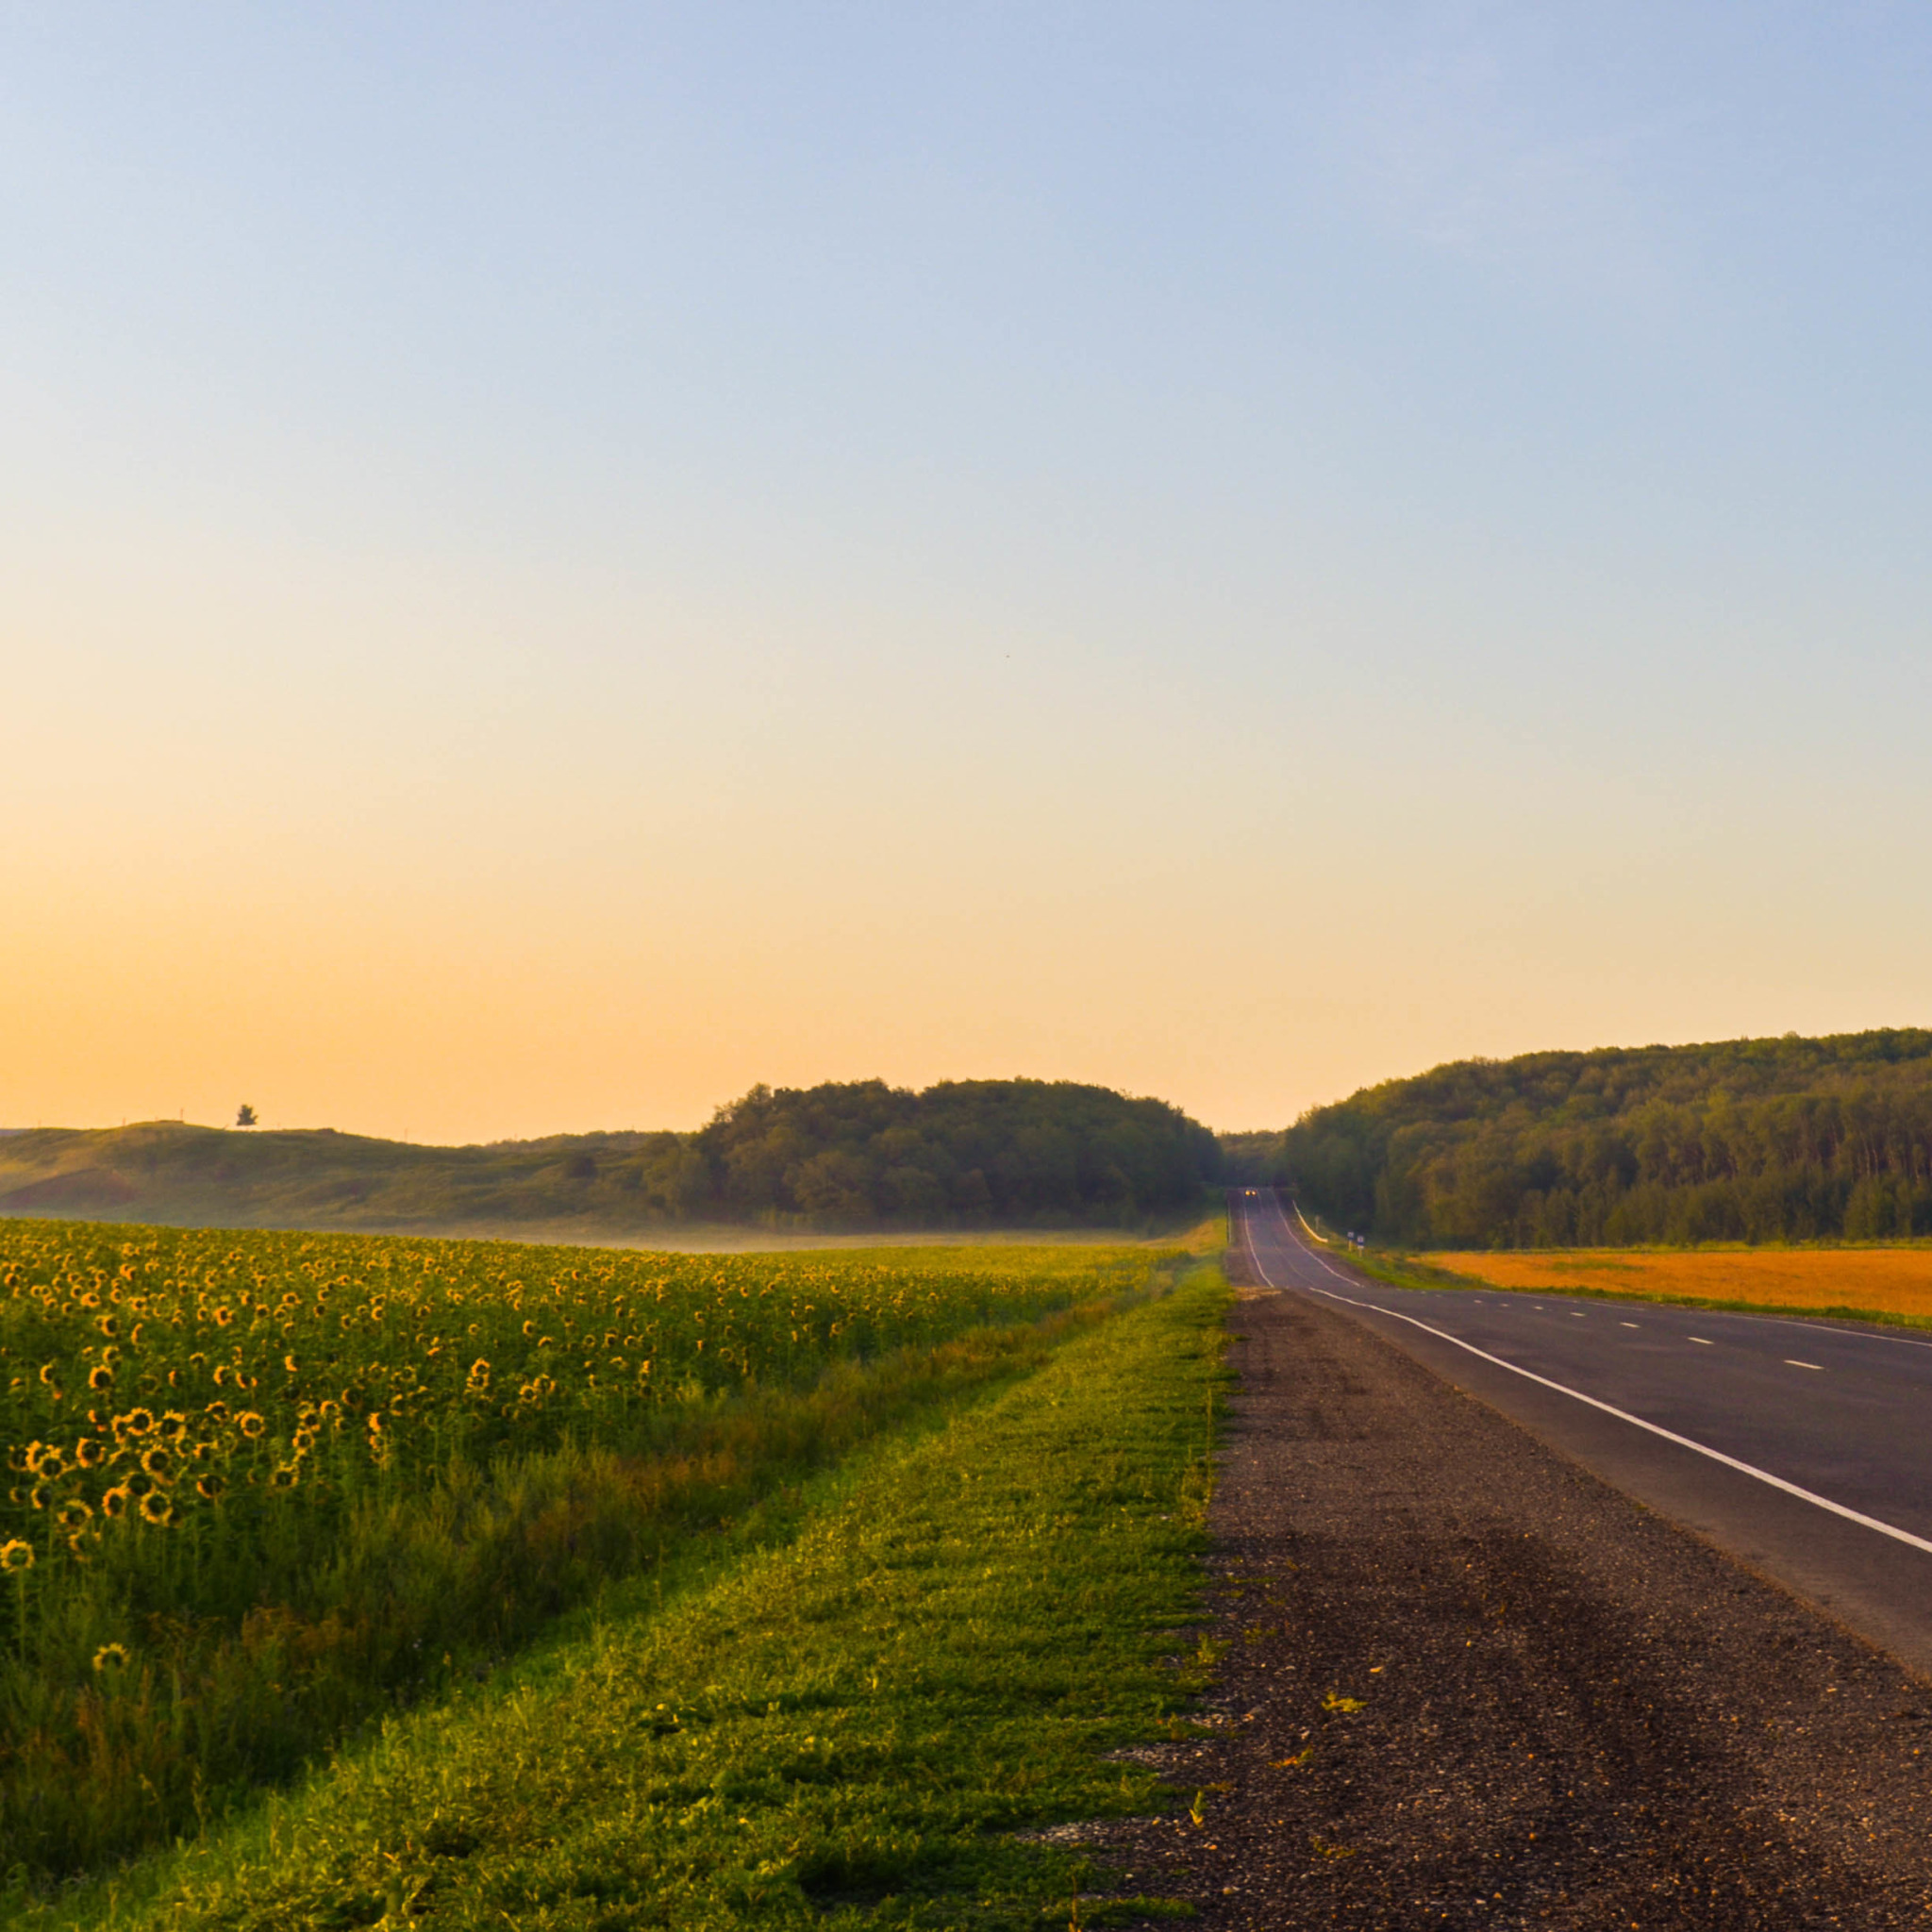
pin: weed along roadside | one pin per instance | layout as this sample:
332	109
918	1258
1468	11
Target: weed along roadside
866	1719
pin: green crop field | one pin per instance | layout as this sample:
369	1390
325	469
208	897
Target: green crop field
267	1489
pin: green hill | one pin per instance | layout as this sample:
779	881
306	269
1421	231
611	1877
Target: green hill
853	1156
1743	1139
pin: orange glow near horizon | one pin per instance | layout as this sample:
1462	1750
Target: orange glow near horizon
549	574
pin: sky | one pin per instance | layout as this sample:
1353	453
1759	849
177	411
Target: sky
558	562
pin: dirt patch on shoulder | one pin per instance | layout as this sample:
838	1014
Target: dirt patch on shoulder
1464	1683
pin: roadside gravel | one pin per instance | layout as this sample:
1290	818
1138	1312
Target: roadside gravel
1467	1683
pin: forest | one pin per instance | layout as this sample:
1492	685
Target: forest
1008	1153
1780	1139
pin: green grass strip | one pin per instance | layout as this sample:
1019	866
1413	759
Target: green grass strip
843	1730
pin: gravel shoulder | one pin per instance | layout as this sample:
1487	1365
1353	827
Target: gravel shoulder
1467	1683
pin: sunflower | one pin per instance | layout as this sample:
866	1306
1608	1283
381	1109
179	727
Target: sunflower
115	1501
156	1461
156	1509
102	1377
41	1495
224	1315
174	1425
208	1487
16	1554
137	1422
74	1515
111	1659
87	1451
286	1477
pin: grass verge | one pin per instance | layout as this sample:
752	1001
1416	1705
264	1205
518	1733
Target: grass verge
843	1731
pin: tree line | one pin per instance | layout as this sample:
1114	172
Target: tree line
1748	1139
862	1153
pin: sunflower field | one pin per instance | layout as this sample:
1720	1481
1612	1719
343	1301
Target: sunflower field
263	1486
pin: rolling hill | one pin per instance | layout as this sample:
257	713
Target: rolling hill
849	1155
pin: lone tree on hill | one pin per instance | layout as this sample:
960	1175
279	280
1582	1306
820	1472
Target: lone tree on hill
244	1115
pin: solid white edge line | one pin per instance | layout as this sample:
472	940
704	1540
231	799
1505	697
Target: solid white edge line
1763	1476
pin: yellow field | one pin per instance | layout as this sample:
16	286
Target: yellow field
1890	1281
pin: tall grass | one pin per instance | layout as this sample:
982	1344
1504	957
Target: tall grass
265	1486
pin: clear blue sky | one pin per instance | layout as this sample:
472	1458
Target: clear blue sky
558	562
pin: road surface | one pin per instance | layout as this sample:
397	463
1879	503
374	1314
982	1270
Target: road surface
1803	1447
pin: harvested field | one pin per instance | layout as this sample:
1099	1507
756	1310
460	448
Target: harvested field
1881	1281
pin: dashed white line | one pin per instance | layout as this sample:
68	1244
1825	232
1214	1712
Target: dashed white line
1700	1342
1792	1362
1763	1476
1627	1325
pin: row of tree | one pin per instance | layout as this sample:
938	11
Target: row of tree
1749	1140
863	1154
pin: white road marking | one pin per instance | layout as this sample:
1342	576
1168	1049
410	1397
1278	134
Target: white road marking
1818	1326
1792	1362
1825	1327
1628	1324
1637	1421
1701	1342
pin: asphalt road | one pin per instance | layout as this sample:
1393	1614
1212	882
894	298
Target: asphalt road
1803	1448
